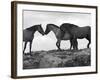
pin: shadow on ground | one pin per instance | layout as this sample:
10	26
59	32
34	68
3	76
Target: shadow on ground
55	58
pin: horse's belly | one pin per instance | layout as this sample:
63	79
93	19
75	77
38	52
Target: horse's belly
81	35
66	37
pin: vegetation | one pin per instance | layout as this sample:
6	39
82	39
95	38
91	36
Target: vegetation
55	58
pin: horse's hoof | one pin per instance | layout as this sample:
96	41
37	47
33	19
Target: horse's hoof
59	50
70	49
24	53
75	50
30	54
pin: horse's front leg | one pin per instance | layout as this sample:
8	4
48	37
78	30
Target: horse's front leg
75	44
24	47
58	44
71	44
30	46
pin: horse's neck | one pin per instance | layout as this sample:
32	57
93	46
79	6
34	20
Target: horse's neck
55	30
32	30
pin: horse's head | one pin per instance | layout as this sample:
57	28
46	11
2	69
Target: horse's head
40	29
47	29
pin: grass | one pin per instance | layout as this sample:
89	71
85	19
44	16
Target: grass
55	58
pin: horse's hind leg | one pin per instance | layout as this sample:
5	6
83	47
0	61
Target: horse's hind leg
58	44
76	44
88	44
89	39
24	47
71	44
30	46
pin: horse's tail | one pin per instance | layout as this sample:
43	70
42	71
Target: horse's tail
89	33
89	29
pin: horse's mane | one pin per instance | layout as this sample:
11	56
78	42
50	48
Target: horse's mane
53	25
31	28
64	24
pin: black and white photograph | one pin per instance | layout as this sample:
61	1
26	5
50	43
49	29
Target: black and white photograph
56	39
53	39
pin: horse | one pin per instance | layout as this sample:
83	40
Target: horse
58	34
67	27
77	32
28	34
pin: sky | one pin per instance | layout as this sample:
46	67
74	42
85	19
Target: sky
48	42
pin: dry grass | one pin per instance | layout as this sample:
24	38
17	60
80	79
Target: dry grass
55	58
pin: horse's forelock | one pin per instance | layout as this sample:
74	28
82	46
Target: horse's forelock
47	29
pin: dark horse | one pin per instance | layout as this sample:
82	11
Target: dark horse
58	34
28	35
77	32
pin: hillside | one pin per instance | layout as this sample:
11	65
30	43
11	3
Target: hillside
55	58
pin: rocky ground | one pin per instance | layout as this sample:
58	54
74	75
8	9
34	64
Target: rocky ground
55	58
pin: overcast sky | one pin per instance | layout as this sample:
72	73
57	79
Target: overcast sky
48	42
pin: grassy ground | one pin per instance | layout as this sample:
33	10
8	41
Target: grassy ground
55	58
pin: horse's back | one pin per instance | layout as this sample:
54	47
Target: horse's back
84	30
67	26
81	32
